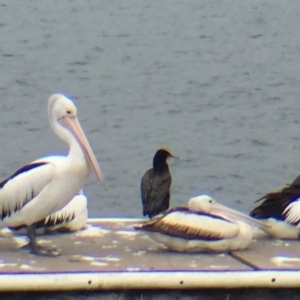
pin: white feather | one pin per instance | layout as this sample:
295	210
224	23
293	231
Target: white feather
49	182
207	224
77	207
18	190
292	212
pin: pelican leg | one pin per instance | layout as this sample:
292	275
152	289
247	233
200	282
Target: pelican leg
35	248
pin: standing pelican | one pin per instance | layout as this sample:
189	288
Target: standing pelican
281	211
203	226
155	185
48	184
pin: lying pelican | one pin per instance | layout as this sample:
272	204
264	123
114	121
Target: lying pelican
46	185
72	217
281	211
202	227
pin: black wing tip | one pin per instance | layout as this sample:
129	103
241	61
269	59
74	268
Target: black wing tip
22	170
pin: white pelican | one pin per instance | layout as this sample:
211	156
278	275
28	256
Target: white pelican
48	184
71	217
203	226
281	211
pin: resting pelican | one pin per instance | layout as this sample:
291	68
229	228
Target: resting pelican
155	185
48	184
203	226
71	217
281	211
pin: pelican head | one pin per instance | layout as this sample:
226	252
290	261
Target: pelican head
206	204
203	203
62	114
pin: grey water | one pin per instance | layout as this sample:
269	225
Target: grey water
216	82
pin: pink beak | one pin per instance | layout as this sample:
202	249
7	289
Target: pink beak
235	215
74	126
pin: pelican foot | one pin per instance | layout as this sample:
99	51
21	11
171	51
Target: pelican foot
44	252
48	248
35	248
26	247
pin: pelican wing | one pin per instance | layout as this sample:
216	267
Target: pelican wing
71	217
21	187
275	203
186	224
58	218
292	212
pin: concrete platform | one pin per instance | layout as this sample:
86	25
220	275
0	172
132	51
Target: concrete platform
110	254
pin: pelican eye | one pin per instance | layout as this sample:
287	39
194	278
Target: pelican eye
68	112
210	201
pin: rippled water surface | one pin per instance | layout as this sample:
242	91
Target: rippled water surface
217	82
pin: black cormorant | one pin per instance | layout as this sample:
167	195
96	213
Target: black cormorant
155	185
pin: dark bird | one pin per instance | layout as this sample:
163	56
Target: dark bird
275	204
281	210
155	185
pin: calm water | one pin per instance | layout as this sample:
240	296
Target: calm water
217	82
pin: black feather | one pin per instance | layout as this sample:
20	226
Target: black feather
275	203
155	185
20	171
